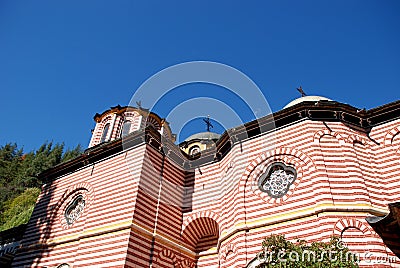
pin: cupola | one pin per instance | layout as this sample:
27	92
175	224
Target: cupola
306	98
118	122
198	142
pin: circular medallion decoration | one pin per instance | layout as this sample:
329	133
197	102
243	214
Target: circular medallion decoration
74	204
277	179
74	209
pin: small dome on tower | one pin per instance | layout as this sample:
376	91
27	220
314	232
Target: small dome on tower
204	136
306	98
198	142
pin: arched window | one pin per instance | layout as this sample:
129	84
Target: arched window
126	127
105	132
194	150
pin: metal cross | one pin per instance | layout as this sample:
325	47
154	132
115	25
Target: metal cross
208	123
301	91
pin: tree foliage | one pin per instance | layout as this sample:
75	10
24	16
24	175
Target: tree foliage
279	252
19	182
19	210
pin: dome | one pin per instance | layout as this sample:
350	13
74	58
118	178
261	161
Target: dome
306	98
204	136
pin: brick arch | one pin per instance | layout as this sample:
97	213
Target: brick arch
345	223
154	120
320	133
74	188
357	138
131	114
185	264
167	254
106	119
276	152
201	214
303	163
83	188
119	121
390	136
56	211
348	138
201	234
229	248
133	117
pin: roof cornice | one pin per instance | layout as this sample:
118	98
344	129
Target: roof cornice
329	111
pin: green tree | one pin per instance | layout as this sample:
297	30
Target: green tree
19	210
10	166
34	163
19	182
71	153
279	252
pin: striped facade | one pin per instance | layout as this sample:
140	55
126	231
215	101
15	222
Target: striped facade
148	205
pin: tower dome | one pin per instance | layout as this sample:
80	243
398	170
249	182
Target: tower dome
118	122
204	136
306	98
198	142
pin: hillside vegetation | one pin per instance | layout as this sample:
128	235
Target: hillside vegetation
19	183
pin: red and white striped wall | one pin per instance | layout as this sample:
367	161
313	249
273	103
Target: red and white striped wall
144	210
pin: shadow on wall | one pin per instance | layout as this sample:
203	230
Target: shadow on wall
10	240
33	244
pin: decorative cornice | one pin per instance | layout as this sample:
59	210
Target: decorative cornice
118	110
361	120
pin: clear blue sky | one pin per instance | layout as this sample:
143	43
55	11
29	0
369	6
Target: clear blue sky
60	63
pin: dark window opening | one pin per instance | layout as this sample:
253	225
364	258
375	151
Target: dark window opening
105	132
126	127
